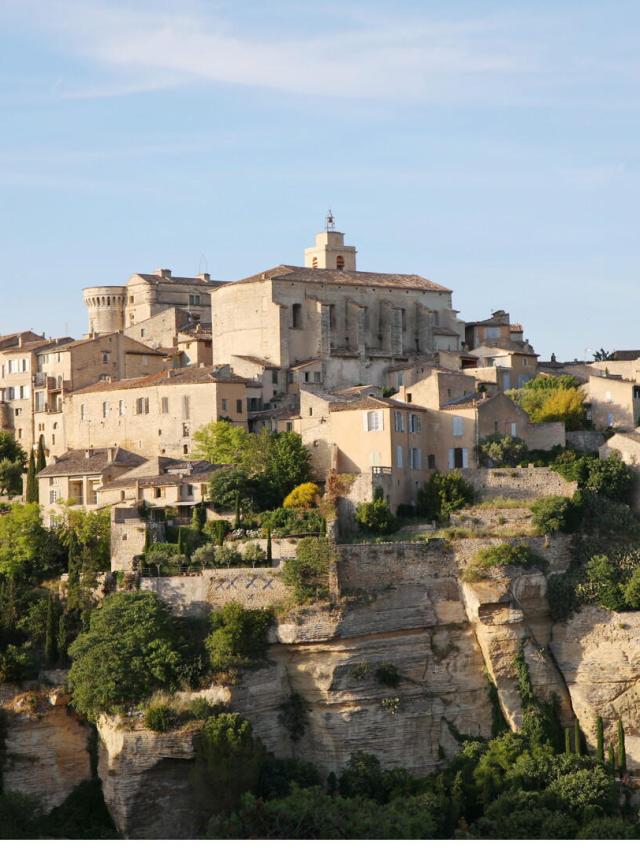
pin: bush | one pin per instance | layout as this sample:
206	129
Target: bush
506	554
443	494
160	717
502	451
284	521
551	515
376	517
307	575
201	709
303	496
131	649
238	637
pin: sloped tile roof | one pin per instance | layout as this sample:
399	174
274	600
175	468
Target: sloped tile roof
289	272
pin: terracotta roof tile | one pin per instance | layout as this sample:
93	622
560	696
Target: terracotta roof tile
289	272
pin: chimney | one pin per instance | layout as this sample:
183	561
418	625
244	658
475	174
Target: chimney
54	460
204	276
163	272
87	454
111	454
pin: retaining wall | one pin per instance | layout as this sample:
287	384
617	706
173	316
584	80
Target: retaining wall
526	483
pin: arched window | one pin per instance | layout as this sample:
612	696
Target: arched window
340	262
314	262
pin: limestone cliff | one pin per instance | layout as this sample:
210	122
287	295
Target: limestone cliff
46	746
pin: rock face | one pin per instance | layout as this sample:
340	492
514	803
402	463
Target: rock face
598	653
46	746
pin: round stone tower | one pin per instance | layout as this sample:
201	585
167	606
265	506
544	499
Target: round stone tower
106	307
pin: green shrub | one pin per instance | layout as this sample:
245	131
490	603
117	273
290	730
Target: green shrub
502	451
443	494
506	554
307	575
551	515
238	637
200	709
376	517
160	717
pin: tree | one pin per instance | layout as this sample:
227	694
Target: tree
269	548
239	636
165	557
442	495
307	575
51	633
254	553
602	355
287	465
12	463
130	650
22	539
227	485
199	516
41	457
220	443
556	398
600	739
303	496
502	451
551	514
621	753
376	517
32	492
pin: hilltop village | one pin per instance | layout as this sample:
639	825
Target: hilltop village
345	558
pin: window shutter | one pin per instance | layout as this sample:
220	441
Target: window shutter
465	458
399	460
452	459
365	422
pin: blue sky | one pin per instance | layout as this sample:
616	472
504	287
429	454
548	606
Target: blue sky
490	146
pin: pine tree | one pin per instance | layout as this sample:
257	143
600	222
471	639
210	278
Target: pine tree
50	637
599	739
269	548
622	753
32	494
41	460
567	740
576	737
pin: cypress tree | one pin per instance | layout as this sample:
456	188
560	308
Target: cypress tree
50	634
611	757
32	495
622	753
220	533
199	516
269	554
63	639
599	739
576	737
567	740
74	562
236	523
182	540
41	460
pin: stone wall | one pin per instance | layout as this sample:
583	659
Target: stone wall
525	483
192	594
585	440
544	437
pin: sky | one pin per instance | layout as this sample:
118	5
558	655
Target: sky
490	146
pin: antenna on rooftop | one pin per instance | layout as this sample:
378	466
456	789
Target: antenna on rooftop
330	222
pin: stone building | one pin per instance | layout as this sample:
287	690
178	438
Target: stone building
495	331
160	483
328	323
156	415
114	308
614	401
76	477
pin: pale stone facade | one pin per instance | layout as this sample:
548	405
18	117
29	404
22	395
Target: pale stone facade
614	402
351	325
155	415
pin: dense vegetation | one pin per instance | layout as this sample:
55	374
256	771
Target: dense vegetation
547	398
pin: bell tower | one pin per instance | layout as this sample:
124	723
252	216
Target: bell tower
330	253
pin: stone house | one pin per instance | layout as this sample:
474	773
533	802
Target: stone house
338	325
614	402
495	331
161	483
504	368
22	387
77	476
156	415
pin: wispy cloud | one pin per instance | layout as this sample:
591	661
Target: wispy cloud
143	48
